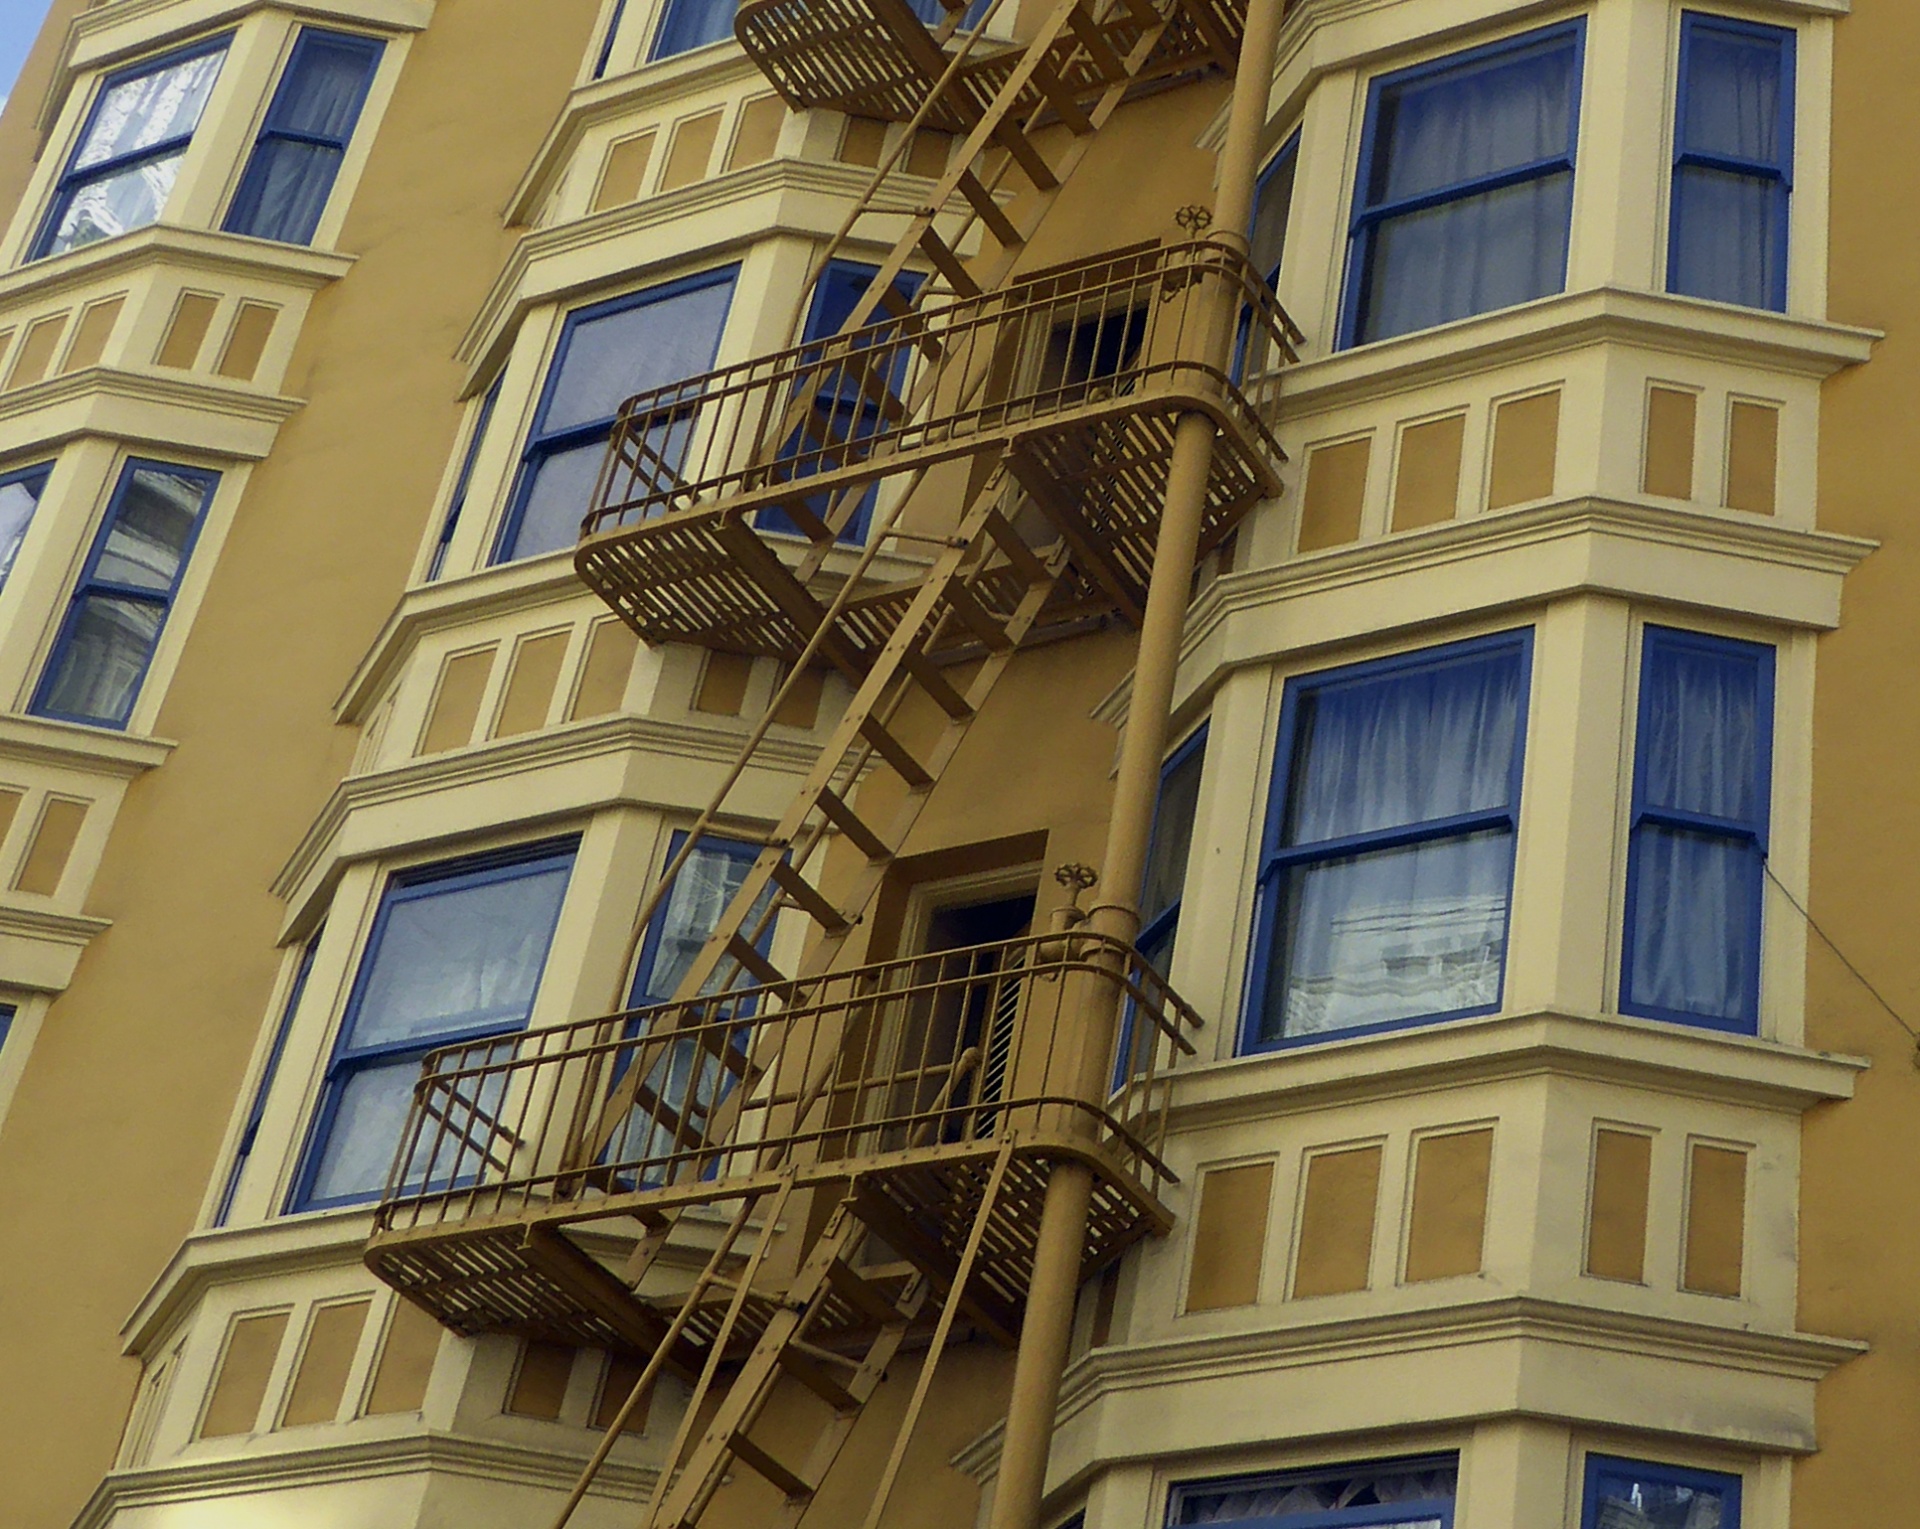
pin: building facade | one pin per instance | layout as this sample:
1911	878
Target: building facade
1526	855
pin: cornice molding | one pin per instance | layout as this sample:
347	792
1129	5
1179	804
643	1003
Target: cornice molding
1107	1372
69	745
193	249
1638	1053
70	404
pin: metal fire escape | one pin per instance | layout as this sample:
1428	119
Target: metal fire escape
1014	431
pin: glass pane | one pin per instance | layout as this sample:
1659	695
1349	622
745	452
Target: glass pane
1627	1501
1734	94
358	1152
1472	121
1305	1497
19	498
1467	256
114	204
1695	926
932	12
1702	737
607	360
1172	841
151	529
459	957
1273	204
1408	746
1729	243
1393	935
700	894
557	500
693	24
285	190
149	108
322	96
106	648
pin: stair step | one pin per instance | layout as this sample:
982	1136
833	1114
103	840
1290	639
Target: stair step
790	1484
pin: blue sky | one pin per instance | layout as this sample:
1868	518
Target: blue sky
19	24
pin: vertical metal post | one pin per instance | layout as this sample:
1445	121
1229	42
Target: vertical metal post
1047	1328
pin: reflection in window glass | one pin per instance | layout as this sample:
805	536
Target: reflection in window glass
1632	1494
124	594
1388	868
456	954
130	151
1466	186
1401	1494
607	353
19	497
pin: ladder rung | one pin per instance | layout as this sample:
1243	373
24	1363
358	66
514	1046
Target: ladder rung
947	264
860	1295
931	680
990	210
742	950
1087	33
977	619
745	1449
813	1375
807	897
1014	547
844	818
1062	101
895	753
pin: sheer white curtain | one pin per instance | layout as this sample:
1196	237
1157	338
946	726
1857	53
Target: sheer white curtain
1728	226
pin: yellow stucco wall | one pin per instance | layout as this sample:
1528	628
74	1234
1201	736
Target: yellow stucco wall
112	1137
1860	1236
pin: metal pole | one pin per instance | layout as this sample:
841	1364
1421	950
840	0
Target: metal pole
1047	1327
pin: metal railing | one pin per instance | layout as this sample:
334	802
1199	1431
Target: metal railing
1069	349
904	1061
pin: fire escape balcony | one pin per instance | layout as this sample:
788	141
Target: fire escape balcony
1068	385
894	1087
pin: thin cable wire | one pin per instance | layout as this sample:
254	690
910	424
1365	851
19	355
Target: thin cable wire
1859	976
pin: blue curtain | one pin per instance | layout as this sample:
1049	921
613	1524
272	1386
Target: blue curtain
1405	929
1697	859
291	175
1472	247
691	24
1730	187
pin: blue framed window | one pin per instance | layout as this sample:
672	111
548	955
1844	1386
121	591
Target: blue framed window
845	414
455	955
1633	1494
607	353
257	1111
8	1013
1385	1494
129	153
685	1080
605	56
20	493
690	24
1696	861
296	158
1465	197
1169	850
464	482
1273	210
125	593
1732	162
1387	868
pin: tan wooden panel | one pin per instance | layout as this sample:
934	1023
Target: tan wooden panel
247	340
90	336
37	346
320	1383
723	684
691	150
1230	1237
406	1362
456	704
757	133
52	847
1715	1262
6	339
1447	1229
802	705
1335	494
1526	450
622	1373
1617	1213
240	1384
1336	1222
187	330
1753	457
604	674
10	801
1426	489
1671	426
536	674
863	143
540	1385
626	172
929	153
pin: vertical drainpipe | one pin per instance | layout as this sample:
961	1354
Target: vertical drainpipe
1047	1328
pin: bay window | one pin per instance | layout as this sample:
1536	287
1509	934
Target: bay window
1387	1494
1633	1494
20	493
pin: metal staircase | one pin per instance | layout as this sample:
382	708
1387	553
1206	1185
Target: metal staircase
921	1104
